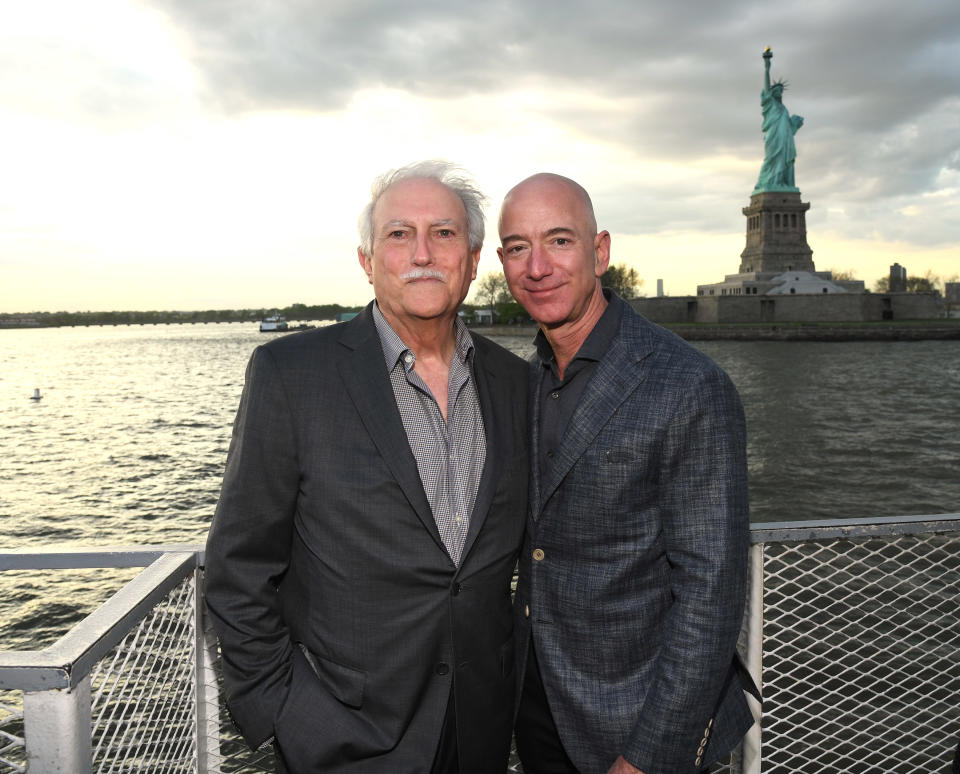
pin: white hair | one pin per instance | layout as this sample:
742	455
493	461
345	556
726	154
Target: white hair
443	172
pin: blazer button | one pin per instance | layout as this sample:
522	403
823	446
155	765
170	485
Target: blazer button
538	554
456	589
442	668
526	611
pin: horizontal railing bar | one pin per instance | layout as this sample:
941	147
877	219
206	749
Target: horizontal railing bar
67	557
65	663
829	529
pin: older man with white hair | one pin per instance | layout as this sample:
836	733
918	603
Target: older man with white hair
360	558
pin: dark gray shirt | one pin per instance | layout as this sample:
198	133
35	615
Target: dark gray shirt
450	453
559	397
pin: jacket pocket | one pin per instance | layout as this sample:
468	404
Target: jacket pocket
507	658
344	683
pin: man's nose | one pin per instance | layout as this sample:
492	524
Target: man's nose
423	254
539	264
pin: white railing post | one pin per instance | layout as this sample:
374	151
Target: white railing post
56	730
751	742
207	693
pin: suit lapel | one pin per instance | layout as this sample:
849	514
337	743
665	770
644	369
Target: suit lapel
617	375
368	384
535	381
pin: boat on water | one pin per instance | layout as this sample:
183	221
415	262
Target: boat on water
273	323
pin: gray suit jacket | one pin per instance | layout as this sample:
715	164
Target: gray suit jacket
633	572
341	617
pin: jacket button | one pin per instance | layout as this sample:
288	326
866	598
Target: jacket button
538	554
526	611
442	668
456	589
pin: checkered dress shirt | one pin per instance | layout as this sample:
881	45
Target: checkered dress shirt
450	454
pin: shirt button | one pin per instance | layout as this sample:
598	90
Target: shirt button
408	358
538	554
442	668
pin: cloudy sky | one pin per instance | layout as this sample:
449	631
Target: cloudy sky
193	154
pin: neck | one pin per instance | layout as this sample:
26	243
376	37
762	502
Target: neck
431	339
566	339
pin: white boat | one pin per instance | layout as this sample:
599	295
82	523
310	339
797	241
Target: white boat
273	323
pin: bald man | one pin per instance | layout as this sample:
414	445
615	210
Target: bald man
633	571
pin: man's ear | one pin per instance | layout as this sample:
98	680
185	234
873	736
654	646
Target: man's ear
366	263
601	247
475	260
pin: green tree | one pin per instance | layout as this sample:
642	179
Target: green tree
842	274
491	290
926	283
623	280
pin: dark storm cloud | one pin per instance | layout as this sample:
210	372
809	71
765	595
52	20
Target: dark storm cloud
877	82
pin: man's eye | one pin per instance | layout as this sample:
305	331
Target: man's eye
561	241
397	234
444	232
515	249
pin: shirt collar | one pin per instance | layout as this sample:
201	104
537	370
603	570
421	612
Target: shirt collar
598	341
394	348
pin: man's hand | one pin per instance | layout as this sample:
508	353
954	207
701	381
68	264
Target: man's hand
620	766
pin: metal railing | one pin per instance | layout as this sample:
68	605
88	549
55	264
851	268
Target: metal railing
852	627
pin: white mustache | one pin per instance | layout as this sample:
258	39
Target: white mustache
415	274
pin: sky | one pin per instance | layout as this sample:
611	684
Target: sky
208	154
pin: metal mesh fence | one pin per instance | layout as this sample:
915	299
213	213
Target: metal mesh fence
860	664
12	755
143	714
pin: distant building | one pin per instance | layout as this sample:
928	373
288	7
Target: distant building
898	279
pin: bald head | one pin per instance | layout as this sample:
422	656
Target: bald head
547	186
553	257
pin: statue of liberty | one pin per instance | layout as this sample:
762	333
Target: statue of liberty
779	126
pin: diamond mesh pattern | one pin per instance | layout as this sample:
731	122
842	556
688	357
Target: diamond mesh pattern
142	693
860	662
13	758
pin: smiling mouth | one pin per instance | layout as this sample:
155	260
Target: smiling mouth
538	290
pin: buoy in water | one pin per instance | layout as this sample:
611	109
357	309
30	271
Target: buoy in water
36	394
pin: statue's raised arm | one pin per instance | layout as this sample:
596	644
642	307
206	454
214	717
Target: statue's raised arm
778	130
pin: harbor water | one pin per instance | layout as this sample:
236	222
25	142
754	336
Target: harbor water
127	443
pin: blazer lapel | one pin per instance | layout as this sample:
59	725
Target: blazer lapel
535	380
615	378
368	384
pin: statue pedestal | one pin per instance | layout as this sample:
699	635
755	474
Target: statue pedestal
776	234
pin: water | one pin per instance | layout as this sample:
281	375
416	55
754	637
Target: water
128	444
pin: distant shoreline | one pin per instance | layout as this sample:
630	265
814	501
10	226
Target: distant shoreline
907	330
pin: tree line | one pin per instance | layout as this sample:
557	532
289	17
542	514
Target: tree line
294	312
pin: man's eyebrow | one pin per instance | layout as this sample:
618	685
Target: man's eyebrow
555	231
